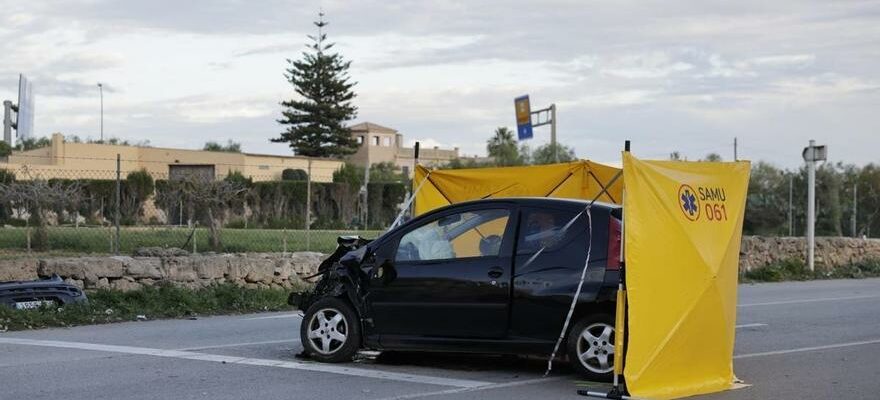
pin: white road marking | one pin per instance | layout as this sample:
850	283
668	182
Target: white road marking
313	367
242	344
474	389
297	315
749	326
774	303
806	349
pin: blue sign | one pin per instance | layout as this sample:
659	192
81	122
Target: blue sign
523	117
524	132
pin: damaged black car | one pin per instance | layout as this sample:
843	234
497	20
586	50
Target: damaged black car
487	276
48	292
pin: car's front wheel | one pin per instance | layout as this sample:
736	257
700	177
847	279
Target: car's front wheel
330	331
591	347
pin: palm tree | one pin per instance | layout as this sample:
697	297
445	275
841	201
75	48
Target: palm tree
502	147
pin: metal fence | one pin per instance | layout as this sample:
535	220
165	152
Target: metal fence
45	208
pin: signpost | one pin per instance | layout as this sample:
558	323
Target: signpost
544	116
523	117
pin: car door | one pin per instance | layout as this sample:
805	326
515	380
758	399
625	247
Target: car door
447	276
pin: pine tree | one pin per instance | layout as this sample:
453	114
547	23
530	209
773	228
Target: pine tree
316	122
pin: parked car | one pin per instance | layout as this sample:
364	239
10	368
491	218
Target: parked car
51	291
487	276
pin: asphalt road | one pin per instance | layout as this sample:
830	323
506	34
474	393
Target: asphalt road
806	340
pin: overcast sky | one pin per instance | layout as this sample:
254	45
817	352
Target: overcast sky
686	76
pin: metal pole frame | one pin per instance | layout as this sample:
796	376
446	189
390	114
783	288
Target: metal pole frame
618	388
550	120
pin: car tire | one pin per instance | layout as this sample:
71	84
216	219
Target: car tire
591	347
330	331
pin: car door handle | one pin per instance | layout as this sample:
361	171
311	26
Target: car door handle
495	272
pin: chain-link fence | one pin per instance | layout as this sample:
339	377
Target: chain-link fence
198	208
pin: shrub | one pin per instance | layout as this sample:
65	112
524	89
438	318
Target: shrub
290	174
794	269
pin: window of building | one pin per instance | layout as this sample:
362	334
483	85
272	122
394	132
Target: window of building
360	139
375	140
386	141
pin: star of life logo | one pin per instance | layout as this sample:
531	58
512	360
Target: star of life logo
688	202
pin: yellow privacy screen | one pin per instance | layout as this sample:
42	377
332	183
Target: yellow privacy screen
576	180
683	225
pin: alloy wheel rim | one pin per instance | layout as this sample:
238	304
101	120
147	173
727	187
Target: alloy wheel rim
595	348
328	331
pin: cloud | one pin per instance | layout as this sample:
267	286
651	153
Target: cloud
646	65
680	76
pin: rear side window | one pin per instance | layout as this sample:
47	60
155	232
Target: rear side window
543	228
468	234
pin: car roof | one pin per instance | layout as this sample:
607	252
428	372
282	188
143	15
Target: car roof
521	201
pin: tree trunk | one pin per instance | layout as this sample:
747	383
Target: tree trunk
214	226
41	234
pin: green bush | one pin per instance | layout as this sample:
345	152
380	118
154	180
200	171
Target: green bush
6	177
5	149
290	174
795	270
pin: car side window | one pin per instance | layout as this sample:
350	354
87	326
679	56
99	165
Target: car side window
477	233
543	228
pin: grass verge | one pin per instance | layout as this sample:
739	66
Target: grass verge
796	270
157	302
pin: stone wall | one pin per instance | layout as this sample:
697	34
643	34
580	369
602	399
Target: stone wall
280	270
126	273
830	252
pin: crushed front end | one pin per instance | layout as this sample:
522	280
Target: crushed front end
339	275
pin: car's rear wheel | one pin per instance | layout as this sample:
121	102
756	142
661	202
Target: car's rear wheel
591	347
330	331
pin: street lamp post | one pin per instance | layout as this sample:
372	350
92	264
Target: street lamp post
101	91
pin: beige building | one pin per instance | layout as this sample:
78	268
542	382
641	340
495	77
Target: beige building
98	161
382	144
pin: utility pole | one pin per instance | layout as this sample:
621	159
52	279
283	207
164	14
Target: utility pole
366	197
812	154
8	108
553	133
811	210
118	197
735	156
101	91
790	205
309	207
855	207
